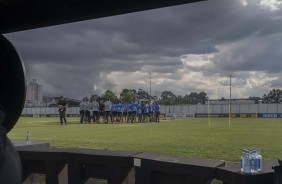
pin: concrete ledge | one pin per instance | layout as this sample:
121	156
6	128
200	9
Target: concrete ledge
18	144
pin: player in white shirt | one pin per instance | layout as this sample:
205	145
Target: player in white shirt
108	108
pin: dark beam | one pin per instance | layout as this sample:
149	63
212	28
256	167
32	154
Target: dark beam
18	15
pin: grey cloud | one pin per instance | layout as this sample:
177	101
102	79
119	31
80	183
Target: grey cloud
256	54
276	83
152	41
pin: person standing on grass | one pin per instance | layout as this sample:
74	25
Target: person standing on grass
95	111
81	110
134	107
87	108
114	113
119	112
151	112
146	112
125	112
157	109
108	108
62	110
101	110
139	114
142	106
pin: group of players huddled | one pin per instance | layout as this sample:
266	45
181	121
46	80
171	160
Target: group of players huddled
106	111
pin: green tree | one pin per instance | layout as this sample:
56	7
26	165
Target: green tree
186	99
128	95
143	94
203	97
94	97
272	97
195	98
179	99
168	98
110	95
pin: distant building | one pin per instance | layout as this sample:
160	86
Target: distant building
233	101
34	95
53	101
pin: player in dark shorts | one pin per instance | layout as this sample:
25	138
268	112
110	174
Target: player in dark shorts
62	110
151	112
157	109
81	110
113	113
142	106
108	108
128	112
124	112
87	109
119	108
139	114
101	110
95	111
134	107
146	112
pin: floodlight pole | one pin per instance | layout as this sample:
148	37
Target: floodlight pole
150	85
209	114
230	102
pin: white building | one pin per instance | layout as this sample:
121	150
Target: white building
34	94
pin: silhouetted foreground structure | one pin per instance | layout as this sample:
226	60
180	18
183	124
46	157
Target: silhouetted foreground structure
31	14
131	167
115	167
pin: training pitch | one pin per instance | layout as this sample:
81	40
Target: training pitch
183	137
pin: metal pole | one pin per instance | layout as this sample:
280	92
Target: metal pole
230	102
150	86
209	116
230	89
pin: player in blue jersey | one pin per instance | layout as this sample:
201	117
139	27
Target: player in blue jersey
128	112
142	106
134	107
124	112
139	114
146	112
114	112
151	112
157	109
119	109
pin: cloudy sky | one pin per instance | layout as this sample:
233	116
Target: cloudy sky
188	48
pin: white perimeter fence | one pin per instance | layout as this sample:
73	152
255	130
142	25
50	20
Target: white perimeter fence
175	109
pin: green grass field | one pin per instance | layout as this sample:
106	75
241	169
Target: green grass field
182	137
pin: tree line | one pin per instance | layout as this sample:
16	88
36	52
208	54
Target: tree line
169	98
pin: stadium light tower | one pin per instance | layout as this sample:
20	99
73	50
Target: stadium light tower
150	85
230	101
